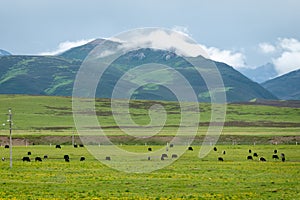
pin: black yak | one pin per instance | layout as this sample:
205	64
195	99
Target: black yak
174	156
26	158
262	159
82	158
39	159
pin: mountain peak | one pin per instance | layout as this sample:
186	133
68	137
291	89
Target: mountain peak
261	73
4	53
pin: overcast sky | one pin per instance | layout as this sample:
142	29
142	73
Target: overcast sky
243	33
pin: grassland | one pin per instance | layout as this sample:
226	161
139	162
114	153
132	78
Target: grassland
189	177
45	120
54	114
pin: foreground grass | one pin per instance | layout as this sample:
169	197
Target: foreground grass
188	177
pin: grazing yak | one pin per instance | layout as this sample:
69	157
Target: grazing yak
6	146
220	159
29	153
67	158
262	159
57	146
174	156
164	155
75	145
275	156
275	151
215	149
250	151
190	149
107	158
39	159
149	149
249	158
82	158
26	158
255	154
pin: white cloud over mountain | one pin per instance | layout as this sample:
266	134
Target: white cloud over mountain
161	39
234	59
64	46
287	56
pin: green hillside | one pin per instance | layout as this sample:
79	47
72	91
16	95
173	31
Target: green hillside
54	75
285	87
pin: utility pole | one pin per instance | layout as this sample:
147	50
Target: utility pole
10	137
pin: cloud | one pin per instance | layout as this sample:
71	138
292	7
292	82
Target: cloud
162	39
288	61
234	59
267	48
289	44
288	58
182	29
64	46
178	40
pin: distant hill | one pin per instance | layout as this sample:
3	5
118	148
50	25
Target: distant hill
260	74
285	87
54	75
4	53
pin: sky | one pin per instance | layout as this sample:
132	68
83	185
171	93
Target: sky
242	33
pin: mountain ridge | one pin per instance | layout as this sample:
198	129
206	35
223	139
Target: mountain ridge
55	75
4	53
286	87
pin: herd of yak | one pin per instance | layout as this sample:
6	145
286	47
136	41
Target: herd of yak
163	156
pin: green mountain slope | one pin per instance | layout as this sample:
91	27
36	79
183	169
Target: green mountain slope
54	75
44	75
285	87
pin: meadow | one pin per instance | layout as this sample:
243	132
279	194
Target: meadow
189	177
40	122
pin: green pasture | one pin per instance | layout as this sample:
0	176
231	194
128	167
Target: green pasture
189	177
36	115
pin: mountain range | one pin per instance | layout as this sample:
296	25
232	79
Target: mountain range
55	75
260	74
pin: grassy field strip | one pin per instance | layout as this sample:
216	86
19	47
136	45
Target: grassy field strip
188	177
